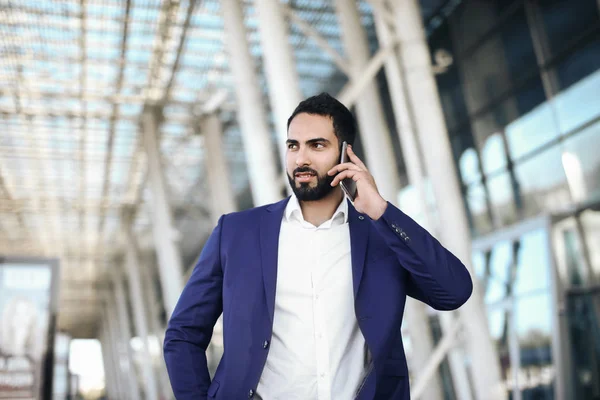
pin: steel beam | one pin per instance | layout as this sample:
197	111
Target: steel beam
322	42
140	322
165	235
429	118
113	123
377	143
262	168
280	71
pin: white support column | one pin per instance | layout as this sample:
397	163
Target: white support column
376	141
110	383
221	193
125	351
140	322
156	328
282	78
263	171
437	154
112	337
164	233
416	316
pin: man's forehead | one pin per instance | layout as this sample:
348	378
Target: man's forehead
305	127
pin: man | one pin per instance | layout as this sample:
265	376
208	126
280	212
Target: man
312	288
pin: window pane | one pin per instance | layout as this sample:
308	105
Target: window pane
543	182
536	380
507	116
531	131
579	64
493	155
498	323
564	20
590	219
582	165
449	85
478	209
579	103
473	18
503	61
533	264
469	166
502	199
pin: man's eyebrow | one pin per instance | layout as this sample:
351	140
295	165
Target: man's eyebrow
310	141
317	140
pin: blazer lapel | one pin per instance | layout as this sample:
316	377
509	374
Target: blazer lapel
359	238
270	225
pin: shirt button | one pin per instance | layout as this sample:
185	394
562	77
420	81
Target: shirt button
251	394
265	344
361	217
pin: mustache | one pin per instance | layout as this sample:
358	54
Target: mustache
303	170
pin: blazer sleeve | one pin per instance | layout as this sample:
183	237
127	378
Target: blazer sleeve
435	276
190	327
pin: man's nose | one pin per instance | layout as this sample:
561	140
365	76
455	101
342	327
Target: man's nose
302	158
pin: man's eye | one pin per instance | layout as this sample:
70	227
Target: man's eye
319	145
292	146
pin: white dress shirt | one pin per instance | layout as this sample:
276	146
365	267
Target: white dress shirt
317	350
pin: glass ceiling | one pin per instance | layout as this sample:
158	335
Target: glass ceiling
74	78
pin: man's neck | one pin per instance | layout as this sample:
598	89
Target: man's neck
319	211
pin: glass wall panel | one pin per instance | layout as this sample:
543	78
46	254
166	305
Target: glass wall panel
476	204
534	331
581	159
502	199
543	182
565	20
531	131
503	61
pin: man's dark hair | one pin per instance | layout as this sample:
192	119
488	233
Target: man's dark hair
344	124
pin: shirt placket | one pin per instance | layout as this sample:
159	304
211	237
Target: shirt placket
321	341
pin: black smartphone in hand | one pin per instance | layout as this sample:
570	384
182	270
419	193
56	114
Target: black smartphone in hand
348	185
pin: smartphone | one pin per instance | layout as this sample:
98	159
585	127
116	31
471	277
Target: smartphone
347	185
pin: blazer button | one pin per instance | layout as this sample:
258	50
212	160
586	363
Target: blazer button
265	344
251	394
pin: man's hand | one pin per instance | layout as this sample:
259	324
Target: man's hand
368	200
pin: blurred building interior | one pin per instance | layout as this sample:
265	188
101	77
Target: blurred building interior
128	127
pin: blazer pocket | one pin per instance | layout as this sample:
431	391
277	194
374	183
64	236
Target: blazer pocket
395	368
213	389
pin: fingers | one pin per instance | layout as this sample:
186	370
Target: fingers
342	167
349	173
354	158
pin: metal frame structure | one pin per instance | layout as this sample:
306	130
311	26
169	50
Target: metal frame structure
75	79
102	104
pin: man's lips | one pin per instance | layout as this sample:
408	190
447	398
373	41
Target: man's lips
304	176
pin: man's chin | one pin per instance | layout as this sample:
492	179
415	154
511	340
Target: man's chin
305	185
311	194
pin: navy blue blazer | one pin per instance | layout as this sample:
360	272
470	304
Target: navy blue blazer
236	275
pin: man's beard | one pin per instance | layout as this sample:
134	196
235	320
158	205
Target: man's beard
304	192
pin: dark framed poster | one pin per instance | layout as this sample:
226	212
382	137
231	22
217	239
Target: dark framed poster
28	308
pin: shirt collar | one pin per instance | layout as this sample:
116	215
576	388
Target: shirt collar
293	210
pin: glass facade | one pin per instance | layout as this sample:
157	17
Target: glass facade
521	105
522	108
